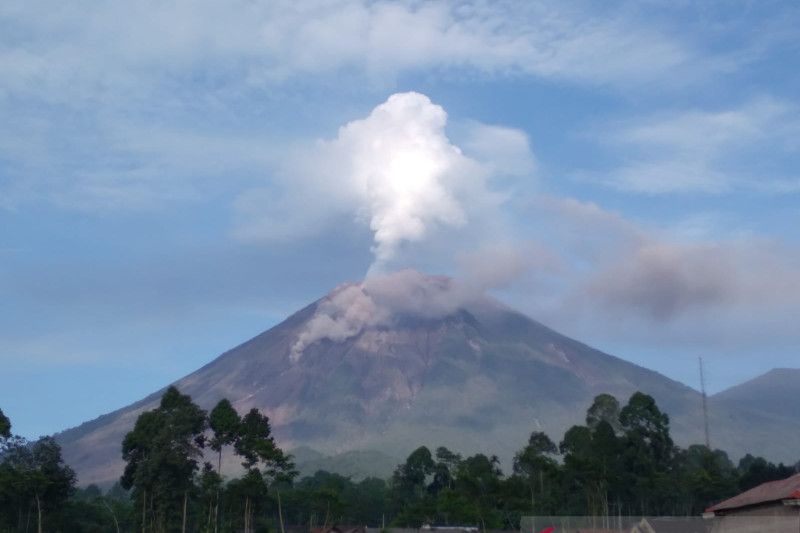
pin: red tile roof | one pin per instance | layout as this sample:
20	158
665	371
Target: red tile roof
784	489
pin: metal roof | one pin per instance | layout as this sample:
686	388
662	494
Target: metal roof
772	491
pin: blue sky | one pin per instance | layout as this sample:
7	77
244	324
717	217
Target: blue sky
178	176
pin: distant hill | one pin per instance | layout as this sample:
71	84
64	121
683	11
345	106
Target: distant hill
383	366
355	464
775	393
763	412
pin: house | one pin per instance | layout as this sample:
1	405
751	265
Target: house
772	507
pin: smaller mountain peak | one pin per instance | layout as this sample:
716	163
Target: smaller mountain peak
380	301
772	375
783	370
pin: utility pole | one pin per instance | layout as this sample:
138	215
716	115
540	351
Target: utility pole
705	402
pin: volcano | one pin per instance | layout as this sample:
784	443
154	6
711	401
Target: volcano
378	368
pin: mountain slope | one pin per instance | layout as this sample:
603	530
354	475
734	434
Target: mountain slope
761	412
776	393
406	360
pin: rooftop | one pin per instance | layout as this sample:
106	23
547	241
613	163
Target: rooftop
772	491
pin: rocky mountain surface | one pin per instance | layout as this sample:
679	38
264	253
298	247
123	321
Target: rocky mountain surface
372	370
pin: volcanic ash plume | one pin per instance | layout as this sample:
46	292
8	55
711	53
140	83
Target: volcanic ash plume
379	301
403	170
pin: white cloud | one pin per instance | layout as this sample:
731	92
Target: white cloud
63	54
128	167
699	151
504	151
84	69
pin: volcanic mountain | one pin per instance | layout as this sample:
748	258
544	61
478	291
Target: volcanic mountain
378	368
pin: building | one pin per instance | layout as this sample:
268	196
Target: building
772	507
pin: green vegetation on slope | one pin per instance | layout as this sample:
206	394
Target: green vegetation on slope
621	461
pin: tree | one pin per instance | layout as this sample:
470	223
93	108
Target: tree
413	475
705	476
410	494
225	423
53	482
645	424
478	480
622	461
370	501
89	511
327	495
592	466
585	471
256	445
410	488
444	470
209	485
754	471
264	461
162	454
14	503
648	453
534	464
5	426
35	477
604	408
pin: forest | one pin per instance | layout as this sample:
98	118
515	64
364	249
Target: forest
621	461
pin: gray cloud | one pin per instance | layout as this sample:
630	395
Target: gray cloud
614	268
664	280
500	265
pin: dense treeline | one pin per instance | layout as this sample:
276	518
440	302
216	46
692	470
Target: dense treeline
621	461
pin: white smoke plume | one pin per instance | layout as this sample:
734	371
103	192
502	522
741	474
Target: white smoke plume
379	301
403	170
344	314
396	171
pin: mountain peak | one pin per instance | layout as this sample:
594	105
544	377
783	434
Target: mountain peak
774	392
766	384
381	301
404	359
783	371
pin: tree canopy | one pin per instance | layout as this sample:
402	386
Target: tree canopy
621	461
5	426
